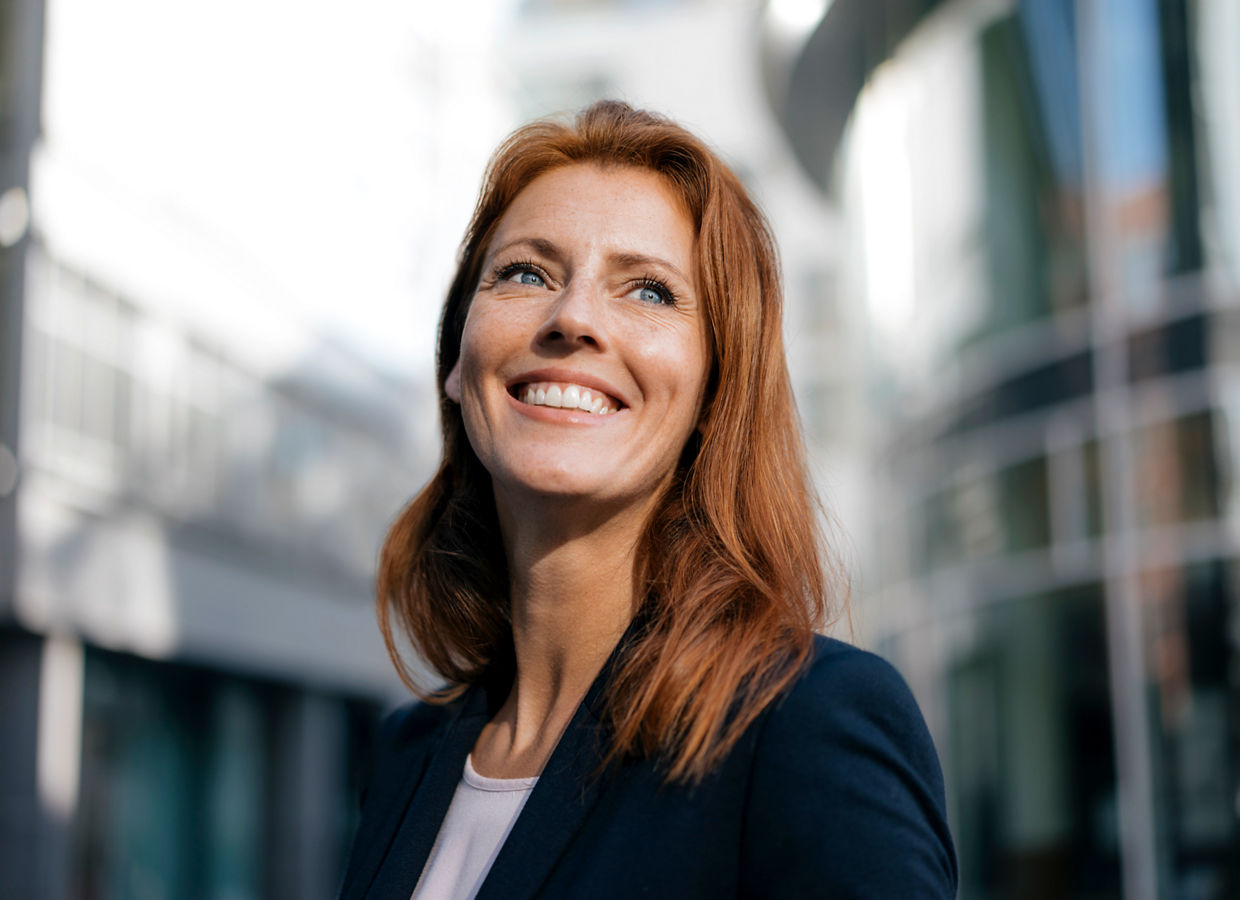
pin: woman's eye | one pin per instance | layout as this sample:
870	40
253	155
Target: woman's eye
522	274
655	293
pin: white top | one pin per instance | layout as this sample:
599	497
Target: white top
479	818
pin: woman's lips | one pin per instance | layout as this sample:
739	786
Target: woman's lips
565	395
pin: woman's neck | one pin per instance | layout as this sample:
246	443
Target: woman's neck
569	608
572	595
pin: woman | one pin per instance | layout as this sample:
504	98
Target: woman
618	569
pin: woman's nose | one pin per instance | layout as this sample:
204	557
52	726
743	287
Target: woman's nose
575	318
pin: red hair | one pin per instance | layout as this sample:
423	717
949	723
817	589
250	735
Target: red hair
731	567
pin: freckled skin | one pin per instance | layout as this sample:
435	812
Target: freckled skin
595	250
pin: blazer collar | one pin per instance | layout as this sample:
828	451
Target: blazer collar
398	848
565	793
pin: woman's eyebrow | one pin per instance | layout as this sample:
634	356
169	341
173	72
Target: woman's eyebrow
642	259
538	245
549	249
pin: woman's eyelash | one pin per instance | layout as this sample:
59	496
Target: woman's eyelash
507	270
660	287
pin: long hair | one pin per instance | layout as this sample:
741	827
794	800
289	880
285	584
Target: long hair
731	567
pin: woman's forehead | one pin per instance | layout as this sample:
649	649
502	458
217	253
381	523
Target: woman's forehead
597	183
624	209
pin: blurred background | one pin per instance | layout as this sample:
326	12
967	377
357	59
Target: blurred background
1011	239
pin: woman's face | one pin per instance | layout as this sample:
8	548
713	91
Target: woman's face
583	359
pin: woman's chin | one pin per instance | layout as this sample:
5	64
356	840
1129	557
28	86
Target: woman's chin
551	492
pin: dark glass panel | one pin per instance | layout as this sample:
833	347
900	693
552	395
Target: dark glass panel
1047	385
1093	490
1178	346
1176	472
1026	512
172	797
1006	511
1032	754
1184	250
1034	234
1016	174
1191	665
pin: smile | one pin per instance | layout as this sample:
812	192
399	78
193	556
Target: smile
565	396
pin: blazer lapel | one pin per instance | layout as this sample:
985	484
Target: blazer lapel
384	808
567	790
419	809
565	793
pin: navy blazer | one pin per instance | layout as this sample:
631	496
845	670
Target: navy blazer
834	791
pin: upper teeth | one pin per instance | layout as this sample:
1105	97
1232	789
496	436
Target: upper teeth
566	396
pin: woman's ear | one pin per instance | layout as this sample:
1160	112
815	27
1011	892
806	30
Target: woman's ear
452	384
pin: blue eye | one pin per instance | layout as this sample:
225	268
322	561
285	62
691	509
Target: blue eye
653	291
525	273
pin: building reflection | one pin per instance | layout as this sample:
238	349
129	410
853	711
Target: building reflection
1041	194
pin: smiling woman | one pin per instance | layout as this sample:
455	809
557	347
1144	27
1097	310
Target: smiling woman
584	295
618	569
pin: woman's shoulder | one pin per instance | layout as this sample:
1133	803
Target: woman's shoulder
845	774
840	661
832	652
850	695
842	679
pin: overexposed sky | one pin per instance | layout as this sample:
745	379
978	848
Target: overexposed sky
278	171
324	156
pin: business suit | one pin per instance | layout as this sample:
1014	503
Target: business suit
834	791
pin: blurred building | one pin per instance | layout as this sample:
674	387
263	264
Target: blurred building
1041	204
194	482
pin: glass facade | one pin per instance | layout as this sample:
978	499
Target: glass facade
181	501
1032	749
181	782
1049	263
129	405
